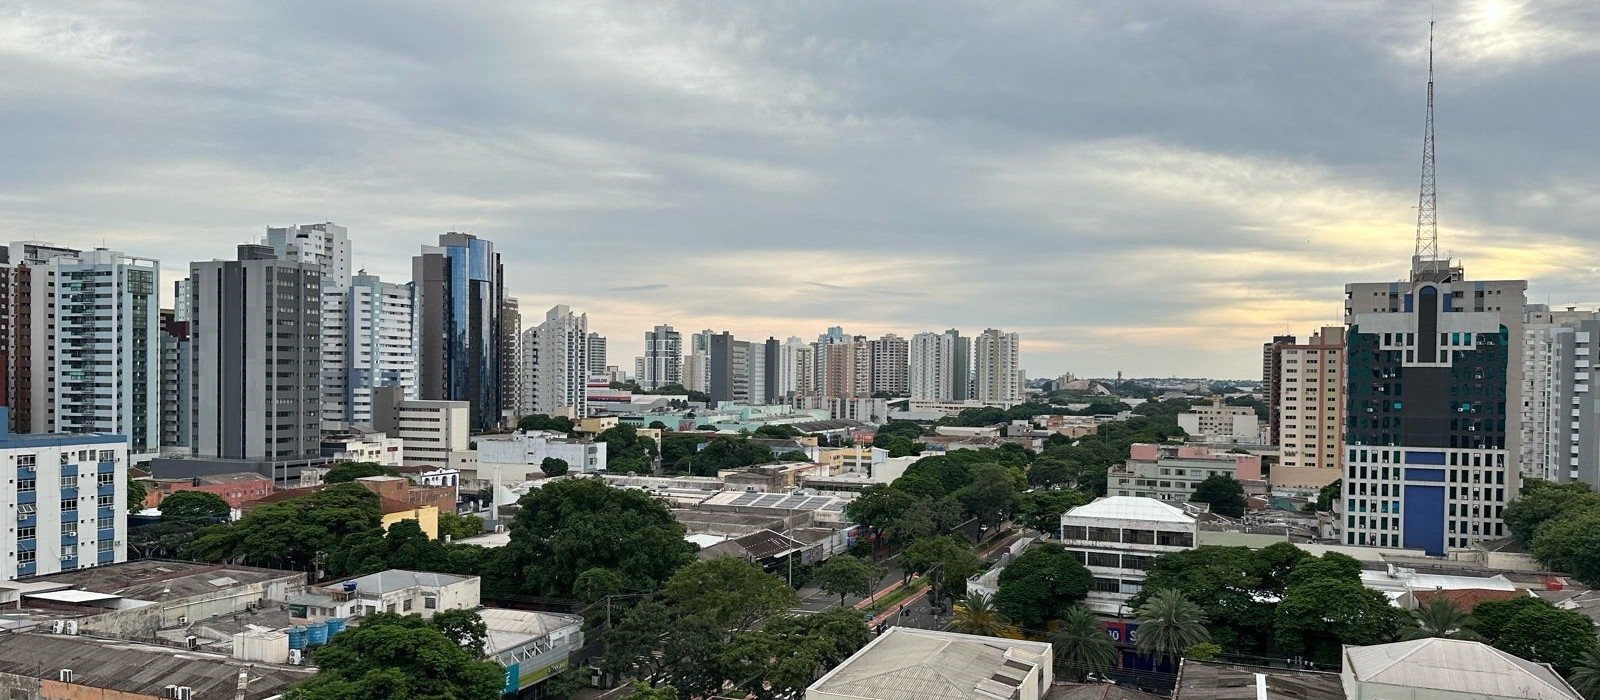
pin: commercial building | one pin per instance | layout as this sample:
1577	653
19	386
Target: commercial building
662	363
93	358
1220	422
433	433
555	365
1117	538
1447	669
1171	472
41	666
68	497
376	448
1434	396
997	370
237	488
522	453
1310	411
460	301
255	403
905	663
394	591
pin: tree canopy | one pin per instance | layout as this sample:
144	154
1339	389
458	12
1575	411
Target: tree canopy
289	534
350	471
136	495
732	592
540	421
571	526
1314	619
1223	492
195	507
553	466
393	656
1533	629
1040	584
845	575
626	451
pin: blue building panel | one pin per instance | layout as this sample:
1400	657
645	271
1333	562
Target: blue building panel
1424	518
1414	474
1424	457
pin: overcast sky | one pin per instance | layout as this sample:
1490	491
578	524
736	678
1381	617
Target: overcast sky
1147	187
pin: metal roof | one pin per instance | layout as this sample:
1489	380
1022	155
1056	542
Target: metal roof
142	669
1216	680
1456	666
905	663
1131	508
398	580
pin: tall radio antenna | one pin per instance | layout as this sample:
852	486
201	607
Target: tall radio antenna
1427	251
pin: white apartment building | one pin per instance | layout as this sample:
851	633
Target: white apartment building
662	363
1561	425
555	365
325	244
890	365
796	368
522	452
997	372
596	355
379	344
433	433
95	346
64	499
376	448
1117	538
1221	423
1311	393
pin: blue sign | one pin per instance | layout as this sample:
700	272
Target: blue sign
513	680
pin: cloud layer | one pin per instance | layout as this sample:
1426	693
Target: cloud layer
1149	187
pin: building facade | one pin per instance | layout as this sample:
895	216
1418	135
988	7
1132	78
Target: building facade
997	372
1310	410
177	395
1220	422
890	365
460	300
67	498
1560	434
1433	401
1171	472
663	358
379	344
434	433
523	452
256	400
1117	538
555	365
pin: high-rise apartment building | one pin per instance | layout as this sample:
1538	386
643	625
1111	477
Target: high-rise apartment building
940	367
597	355
256	371
177	394
1560	426
1312	410
844	368
662	363
890	365
327	245
378	345
65	497
510	360
1434	396
796	368
95	351
555	364
1270	389
697	363
460	299
997	372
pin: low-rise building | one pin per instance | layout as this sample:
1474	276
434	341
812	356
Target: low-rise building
1117	538
433	433
376	448
393	591
39	666
1220	422
532	646
236	488
1171	472
905	663
523	452
65	500
1447	669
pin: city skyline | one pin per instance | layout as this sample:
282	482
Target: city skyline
775	174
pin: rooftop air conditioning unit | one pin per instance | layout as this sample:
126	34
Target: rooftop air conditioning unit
185	693
297	657
171	691
58	626
72	626
64	675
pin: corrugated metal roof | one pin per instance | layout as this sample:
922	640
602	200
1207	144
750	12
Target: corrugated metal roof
1457	666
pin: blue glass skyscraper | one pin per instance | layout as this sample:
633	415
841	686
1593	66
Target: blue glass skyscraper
460	295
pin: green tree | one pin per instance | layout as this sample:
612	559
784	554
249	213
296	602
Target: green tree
1223	492
1081	644
626	451
136	495
1315	619
789	652
657	425
573	525
1328	495
844	575
1439	617
793	456
977	614
595	584
1040	584
949	558
631	642
289	534
539	421
1571	544
1170	623
728	453
1585	676
1231	584
878	506
553	466
1204	651
1331	566
777	432
733	593
1533	629
195	507
350	471
456	526
991	496
1041	509
464	627
390	656
642	691
1541	501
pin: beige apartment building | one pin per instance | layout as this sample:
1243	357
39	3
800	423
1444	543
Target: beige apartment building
1311	401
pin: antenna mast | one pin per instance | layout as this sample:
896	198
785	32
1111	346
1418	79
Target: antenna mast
1427	252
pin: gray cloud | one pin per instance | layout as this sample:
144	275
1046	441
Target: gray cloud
1150	187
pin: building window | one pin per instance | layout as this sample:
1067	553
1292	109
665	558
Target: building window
1074	532
105	501
1107	585
26	485
108	455
25	534
1103	559
406	605
27	460
69	504
430	603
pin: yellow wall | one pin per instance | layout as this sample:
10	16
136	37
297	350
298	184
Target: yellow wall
427	518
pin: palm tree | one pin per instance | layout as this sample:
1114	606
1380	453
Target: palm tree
1170	623
1440	617
976	614
1585	675
1082	645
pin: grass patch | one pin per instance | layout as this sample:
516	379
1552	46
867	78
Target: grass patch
896	596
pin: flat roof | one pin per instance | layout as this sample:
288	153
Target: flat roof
1215	680
160	579
906	663
141	669
72	596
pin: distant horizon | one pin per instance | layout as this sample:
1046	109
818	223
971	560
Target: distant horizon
1141	187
